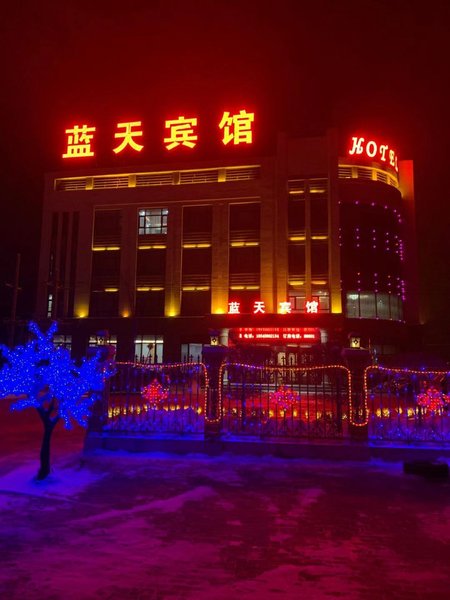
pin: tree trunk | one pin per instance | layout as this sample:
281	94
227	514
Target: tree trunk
49	424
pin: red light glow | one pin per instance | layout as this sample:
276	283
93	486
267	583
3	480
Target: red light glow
276	334
360	146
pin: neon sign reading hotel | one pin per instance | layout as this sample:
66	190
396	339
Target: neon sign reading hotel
233	129
371	149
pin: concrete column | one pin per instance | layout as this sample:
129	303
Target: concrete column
172	305
267	252
308	285
128	254
334	250
220	259
84	264
281	263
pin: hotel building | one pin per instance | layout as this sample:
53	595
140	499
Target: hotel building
281	252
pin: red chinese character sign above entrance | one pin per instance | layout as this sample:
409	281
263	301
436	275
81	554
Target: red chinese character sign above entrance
231	129
259	307
285	335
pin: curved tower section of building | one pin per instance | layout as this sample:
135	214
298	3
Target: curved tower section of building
376	242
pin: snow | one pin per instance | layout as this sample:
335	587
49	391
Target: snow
118	526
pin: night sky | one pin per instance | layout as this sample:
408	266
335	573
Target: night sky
380	66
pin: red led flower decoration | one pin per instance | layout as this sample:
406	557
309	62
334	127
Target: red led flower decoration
432	399
154	394
284	397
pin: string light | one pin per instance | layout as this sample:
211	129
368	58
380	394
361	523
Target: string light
155	394
431	398
285	397
162	407
272	370
42	376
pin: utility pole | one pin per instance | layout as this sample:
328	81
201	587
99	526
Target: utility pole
16	289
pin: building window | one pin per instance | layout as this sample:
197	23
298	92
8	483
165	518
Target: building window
245	217
149	303
191	352
296	261
322	296
62	341
102	338
195	302
319	214
150	268
371	305
245	260
153	221
107	228
298	300
149	348
104	304
50	306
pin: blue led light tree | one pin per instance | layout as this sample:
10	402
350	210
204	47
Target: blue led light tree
44	377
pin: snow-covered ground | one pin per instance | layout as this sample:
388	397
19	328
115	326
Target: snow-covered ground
153	527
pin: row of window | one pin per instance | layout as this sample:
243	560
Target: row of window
371	305
246	216
197	302
147	348
244	267
359	305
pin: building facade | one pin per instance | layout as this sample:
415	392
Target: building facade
276	254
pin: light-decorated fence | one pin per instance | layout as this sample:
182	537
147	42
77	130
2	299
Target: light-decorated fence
405	405
290	402
245	400
157	398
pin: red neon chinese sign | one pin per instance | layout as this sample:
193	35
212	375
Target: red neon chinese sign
234	129
128	136
368	148
181	133
237	128
276	334
284	308
79	141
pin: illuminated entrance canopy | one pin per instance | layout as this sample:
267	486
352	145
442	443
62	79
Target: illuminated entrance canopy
232	129
368	148
276	334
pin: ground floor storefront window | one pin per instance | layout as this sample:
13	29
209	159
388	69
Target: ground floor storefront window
149	348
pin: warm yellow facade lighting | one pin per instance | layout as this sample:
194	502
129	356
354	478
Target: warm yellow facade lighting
296	282
297	238
149	289
205	245
111	289
244	287
243	244
193	288
152	246
319	237
105	248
